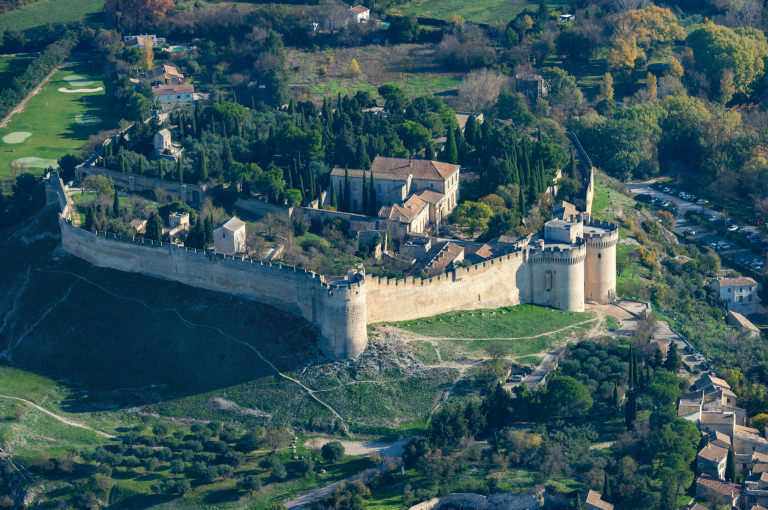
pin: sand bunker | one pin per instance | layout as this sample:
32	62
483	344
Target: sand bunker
75	80
74	91
33	162
17	137
86	118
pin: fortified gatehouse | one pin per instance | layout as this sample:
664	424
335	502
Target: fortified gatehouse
573	260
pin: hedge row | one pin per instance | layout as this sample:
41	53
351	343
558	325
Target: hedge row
50	58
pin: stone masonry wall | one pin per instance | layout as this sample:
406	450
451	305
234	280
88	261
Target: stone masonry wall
337	310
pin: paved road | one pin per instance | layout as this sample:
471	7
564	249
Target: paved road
548	363
737	254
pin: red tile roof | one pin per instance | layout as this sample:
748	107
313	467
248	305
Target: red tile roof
420	168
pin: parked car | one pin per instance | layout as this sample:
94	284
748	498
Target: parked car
644	197
666	189
733	228
701	201
518	377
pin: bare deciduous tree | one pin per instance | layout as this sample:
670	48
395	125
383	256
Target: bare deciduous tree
481	88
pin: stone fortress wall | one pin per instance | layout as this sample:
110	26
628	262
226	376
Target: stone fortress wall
560	276
338	309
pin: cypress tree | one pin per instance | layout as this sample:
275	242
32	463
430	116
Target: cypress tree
347	191
521	202
470	131
288	177
606	487
122	164
334	201
181	126
630	410
372	198
311	193
154	228
116	205
226	155
90	218
450	153
208	239
301	188
429	152
363	161
365	195
203	167
180	171
730	467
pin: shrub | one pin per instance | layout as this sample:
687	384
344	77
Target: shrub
332	451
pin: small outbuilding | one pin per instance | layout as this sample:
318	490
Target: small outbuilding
229	237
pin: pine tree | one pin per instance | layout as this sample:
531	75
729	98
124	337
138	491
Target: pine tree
116	205
373	209
365	195
334	201
730	467
450	153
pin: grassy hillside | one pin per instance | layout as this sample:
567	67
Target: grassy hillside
486	11
508	322
44	12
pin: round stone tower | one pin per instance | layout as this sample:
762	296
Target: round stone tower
600	263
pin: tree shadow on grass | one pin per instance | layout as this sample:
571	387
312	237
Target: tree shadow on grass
142	501
223	496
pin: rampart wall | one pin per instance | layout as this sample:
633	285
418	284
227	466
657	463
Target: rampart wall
192	194
337	310
547	277
543	275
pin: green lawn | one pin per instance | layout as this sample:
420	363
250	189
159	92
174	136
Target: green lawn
43	12
487	11
507	322
55	123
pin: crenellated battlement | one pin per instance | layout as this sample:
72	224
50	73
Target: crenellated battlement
556	274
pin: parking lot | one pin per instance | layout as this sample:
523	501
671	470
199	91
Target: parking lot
735	253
